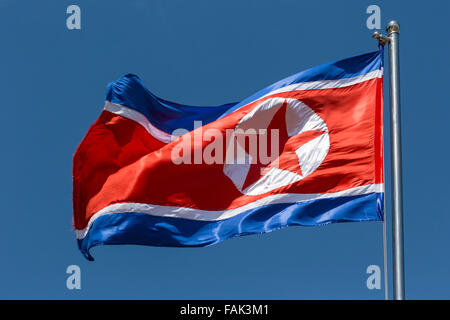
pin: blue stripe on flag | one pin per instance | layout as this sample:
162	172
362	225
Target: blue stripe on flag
341	69
129	91
144	229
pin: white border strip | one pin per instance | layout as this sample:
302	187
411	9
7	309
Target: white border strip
139	118
209	215
312	85
329	84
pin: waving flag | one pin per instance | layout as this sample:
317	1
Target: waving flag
306	150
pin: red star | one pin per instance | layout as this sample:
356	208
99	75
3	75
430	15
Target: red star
287	159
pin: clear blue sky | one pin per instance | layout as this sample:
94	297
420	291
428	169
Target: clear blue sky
53	87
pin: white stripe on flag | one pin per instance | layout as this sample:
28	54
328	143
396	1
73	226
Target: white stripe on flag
311	85
139	118
209	215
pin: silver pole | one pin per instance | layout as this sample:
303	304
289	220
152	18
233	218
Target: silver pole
396	162
396	157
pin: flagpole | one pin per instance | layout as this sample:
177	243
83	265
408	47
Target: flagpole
396	162
396	157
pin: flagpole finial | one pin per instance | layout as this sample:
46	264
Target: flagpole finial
392	27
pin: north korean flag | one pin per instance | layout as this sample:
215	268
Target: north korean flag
304	151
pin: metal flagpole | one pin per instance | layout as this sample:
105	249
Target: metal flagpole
396	157
396	162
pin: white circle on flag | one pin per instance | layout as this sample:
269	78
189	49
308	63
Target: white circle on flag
299	119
